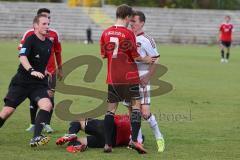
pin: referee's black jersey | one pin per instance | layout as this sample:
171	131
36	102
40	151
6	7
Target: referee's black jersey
38	53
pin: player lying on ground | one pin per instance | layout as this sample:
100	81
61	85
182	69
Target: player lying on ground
95	130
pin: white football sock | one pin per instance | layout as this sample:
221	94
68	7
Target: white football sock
139	138
154	125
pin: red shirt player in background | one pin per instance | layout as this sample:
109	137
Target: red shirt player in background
225	37
51	68
118	45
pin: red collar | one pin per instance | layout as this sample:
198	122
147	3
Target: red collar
140	34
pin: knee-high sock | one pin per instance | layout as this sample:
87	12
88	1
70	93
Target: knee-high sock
154	125
74	127
41	120
227	56
51	112
140	136
108	127
135	123
222	53
33	112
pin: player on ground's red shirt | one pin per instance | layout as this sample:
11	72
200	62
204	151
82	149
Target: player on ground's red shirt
95	130
52	68
225	37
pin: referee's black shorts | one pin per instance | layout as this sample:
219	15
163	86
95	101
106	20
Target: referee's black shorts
118	93
17	93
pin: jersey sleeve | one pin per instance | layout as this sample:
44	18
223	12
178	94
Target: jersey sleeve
102	45
25	36
150	48
221	27
26	47
134	52
58	51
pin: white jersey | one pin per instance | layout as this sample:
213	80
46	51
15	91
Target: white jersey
145	47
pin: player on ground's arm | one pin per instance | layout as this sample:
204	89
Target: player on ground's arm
146	47
96	134
51	69
225	37
118	45
30	81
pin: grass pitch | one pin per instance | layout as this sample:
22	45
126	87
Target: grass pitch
199	117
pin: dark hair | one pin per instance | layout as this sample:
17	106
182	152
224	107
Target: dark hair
227	16
41	10
141	15
37	17
124	11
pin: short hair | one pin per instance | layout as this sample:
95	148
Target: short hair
141	15
227	16
37	17
123	11
42	10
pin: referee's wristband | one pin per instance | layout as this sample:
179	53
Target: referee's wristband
30	70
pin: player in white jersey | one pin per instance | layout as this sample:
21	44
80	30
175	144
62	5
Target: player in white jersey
146	47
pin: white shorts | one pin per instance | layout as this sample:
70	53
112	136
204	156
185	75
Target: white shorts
145	96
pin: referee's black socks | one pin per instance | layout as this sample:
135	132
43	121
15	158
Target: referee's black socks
2	122
51	112
108	127
135	123
41	119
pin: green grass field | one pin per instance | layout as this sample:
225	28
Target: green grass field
200	118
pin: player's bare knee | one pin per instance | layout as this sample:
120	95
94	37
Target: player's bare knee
6	112
45	104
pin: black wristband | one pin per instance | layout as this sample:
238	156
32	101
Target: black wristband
30	70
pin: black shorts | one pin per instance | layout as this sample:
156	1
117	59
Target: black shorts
118	93
52	81
18	93
95	129
226	44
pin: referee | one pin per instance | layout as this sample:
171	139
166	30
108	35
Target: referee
30	81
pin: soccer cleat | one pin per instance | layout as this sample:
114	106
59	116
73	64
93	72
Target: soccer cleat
161	145
66	138
48	128
138	147
76	148
30	128
222	60
39	141
107	148
226	60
